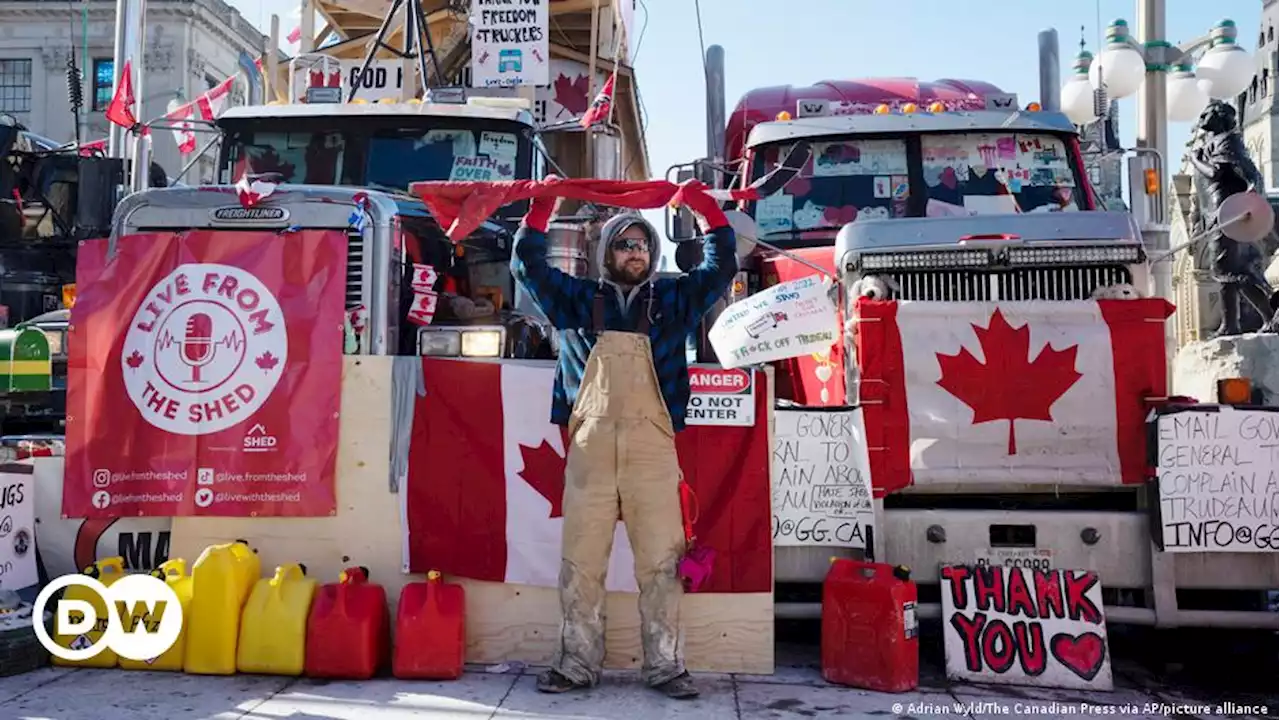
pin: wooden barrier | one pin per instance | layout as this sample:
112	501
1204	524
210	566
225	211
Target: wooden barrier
729	632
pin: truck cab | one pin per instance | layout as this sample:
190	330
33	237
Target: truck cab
348	166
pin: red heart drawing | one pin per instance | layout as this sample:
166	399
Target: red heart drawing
1083	654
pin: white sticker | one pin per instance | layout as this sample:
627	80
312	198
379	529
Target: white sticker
773	213
883	187
910	625
498	145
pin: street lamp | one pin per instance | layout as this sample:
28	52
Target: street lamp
1223	72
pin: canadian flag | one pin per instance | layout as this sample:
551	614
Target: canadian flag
1036	392
486	480
208	106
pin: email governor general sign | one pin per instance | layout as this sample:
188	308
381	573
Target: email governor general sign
721	397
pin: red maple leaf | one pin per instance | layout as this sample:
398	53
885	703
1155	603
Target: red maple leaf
544	471
266	360
134	360
1008	386
572	94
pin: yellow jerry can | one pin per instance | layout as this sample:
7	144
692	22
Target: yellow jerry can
273	632
220	582
174	573
105	571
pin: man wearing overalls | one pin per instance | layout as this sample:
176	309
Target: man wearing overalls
621	387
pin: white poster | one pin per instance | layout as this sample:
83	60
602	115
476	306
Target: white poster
1216	473
383	79
510	43
788	320
821	479
721	397
1016	626
17	528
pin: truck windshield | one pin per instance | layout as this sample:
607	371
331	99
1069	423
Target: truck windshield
399	157
313	158
853	179
384	153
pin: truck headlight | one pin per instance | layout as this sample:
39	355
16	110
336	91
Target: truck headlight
439	343
1063	254
482	343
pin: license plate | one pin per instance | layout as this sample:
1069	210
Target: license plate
1032	558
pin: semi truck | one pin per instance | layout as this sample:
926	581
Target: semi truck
953	199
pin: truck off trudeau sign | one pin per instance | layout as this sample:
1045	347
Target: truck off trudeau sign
721	397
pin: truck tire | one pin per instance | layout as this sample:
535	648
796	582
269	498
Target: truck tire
21	652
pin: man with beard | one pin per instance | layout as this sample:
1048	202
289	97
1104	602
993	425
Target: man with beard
621	388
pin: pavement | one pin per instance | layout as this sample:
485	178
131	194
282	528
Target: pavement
795	692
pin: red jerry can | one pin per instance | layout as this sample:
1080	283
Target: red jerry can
431	637
348	630
869	627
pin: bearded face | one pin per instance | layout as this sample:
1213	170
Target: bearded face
629	256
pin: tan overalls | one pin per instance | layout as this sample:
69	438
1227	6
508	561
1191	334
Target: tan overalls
621	455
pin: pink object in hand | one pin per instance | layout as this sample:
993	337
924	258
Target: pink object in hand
695	567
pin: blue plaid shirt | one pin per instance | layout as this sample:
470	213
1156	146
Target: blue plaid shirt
678	305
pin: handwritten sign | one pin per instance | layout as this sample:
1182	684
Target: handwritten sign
721	397
17	528
498	145
792	319
510	43
1216	476
821	479
1017	626
482	168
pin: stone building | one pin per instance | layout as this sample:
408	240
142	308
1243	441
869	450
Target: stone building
1260	104
191	45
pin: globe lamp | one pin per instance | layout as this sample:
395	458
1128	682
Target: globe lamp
1076	99
1186	96
1120	66
1226	68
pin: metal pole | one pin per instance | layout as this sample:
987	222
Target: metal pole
1153	120
1050	68
115	133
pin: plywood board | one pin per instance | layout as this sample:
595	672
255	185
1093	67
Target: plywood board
722	632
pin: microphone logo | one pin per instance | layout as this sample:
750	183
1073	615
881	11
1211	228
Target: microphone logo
197	344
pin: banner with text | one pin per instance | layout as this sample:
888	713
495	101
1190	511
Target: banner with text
510	44
821	479
17	528
1216	479
204	375
788	320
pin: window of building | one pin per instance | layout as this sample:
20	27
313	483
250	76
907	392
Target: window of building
15	86
211	81
104	71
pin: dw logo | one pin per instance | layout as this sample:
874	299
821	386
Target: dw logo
158	629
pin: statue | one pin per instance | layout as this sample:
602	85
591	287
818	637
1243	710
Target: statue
1223	168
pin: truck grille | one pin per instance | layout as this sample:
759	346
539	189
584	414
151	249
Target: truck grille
1038	283
355	269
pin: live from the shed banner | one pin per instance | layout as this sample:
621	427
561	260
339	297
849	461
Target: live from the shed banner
821	480
204	374
1216	477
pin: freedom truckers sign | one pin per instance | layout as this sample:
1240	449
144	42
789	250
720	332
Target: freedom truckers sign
221	395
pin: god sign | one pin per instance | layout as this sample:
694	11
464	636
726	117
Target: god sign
156	632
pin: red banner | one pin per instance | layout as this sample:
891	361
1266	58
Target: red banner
204	375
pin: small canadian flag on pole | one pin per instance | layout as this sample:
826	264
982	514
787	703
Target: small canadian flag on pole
120	110
599	109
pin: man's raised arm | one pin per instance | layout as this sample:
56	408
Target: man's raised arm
563	298
702	286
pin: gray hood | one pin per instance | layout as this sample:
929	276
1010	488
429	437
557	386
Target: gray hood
613	228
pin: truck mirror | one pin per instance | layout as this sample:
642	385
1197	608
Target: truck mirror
679	224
